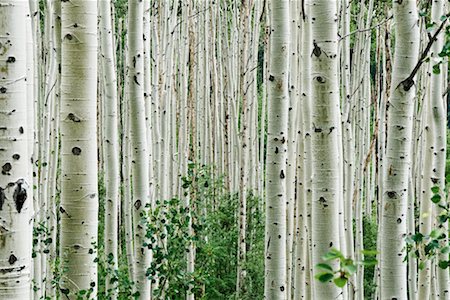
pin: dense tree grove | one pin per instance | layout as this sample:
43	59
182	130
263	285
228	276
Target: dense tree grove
252	149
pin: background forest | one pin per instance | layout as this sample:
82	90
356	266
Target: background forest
221	149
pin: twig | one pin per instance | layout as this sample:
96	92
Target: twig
366	29
408	82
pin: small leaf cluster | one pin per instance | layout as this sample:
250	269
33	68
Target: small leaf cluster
347	266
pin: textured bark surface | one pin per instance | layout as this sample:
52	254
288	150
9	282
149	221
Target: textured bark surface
111	145
15	180
78	121
397	159
277	134
325	120
138	136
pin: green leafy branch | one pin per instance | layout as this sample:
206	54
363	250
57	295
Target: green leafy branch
347	266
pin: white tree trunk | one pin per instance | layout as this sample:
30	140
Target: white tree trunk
397	159
110	145
79	195
326	192
138	136
15	180
438	110
277	134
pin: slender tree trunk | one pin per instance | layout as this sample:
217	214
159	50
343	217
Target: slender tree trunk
326	192
397	159
138	137
438	112
277	134
79	194
111	146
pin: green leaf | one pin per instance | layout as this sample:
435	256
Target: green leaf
326	267
369	252
434	234
340	281
333	254
445	250
430	26
369	262
324	277
435	189
421	265
436	69
444	264
436	198
443	218
349	268
418	237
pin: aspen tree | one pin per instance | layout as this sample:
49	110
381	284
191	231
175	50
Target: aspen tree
397	158
79	195
110	141
347	135
325	121
52	226
277	134
15	180
244	143
293	130
304	284
138	137
426	209
438	111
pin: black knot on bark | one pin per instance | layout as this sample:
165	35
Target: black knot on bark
76	151
137	204
20	196
392	194
12	259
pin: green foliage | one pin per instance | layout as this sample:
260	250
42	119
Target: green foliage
340	276
347	267
215	235
370	229
428	246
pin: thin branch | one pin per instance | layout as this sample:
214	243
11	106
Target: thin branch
408	82
366	29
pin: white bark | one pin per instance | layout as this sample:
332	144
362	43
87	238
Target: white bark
326	192
15	180
438	113
79	195
277	134
111	145
139	163
397	159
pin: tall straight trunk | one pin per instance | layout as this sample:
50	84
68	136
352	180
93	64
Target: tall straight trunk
79	191
244	143
138	137
439	128
111	145
15	180
293	130
426	206
347	139
277	134
54	152
326	192
400	112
